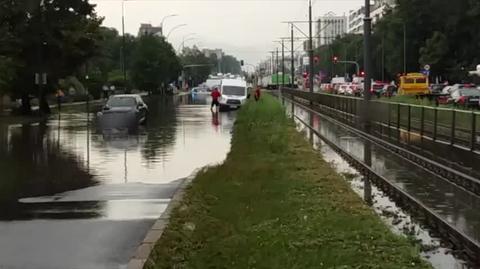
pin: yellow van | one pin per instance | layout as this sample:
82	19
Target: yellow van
413	84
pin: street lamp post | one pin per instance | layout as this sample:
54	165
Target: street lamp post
310	45
185	39
293	56
124	61
283	63
163	21
173	29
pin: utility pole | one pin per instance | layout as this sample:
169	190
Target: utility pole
276	66
273	62
293	56
404	48
283	63
310	45
124	61
383	57
368	72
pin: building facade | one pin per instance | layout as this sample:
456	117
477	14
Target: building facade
329	27
355	17
148	29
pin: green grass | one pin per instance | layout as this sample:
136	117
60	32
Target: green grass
275	203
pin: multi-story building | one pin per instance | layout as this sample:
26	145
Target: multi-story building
148	29
329	27
355	17
355	21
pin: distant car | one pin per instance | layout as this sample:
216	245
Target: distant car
450	89
437	88
344	89
468	97
125	111
378	88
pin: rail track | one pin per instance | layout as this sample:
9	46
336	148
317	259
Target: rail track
459	241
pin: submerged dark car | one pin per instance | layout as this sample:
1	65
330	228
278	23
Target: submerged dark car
123	112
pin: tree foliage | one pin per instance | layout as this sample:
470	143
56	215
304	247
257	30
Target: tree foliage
155	63
56	38
440	33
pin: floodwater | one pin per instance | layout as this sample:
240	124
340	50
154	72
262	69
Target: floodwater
72	196
455	205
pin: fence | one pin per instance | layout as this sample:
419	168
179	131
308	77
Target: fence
452	126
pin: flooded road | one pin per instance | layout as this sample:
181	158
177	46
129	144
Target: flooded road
455	205
74	197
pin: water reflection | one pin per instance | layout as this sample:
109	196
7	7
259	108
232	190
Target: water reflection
68	152
32	164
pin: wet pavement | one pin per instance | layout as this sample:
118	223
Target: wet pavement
72	196
455	205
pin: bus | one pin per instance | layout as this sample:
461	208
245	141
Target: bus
413	84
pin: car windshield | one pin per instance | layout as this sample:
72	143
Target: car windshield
470	92
121	102
233	90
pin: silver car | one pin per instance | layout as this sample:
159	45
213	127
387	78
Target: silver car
125	111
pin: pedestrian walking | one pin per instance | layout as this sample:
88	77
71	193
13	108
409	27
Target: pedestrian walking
257	93
59	95
215	96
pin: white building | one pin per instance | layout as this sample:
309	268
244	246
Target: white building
330	27
355	17
355	21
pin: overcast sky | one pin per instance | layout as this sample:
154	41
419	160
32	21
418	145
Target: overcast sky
243	28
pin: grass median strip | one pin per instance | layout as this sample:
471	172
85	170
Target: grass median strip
275	203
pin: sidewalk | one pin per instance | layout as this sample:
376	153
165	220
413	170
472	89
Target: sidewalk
275	203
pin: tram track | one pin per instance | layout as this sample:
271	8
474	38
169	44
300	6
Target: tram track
459	241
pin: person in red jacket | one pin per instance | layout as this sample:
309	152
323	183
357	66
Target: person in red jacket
215	96
257	93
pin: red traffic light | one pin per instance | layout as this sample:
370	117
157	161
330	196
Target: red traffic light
305	75
335	59
362	73
316	59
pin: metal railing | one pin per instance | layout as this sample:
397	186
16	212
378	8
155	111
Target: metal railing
451	126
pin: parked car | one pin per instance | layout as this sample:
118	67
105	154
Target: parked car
437	88
378	88
126	111
468	97
344	89
450	89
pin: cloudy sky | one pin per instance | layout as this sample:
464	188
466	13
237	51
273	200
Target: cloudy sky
243	28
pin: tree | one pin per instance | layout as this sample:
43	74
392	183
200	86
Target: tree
196	74
230	64
57	38
434	51
155	63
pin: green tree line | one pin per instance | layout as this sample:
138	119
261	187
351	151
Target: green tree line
66	40
440	33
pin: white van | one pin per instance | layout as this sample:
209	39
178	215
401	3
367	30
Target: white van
234	93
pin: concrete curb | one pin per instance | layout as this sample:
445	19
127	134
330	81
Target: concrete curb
155	233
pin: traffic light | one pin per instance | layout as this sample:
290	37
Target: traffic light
362	73
316	59
335	59
242	63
